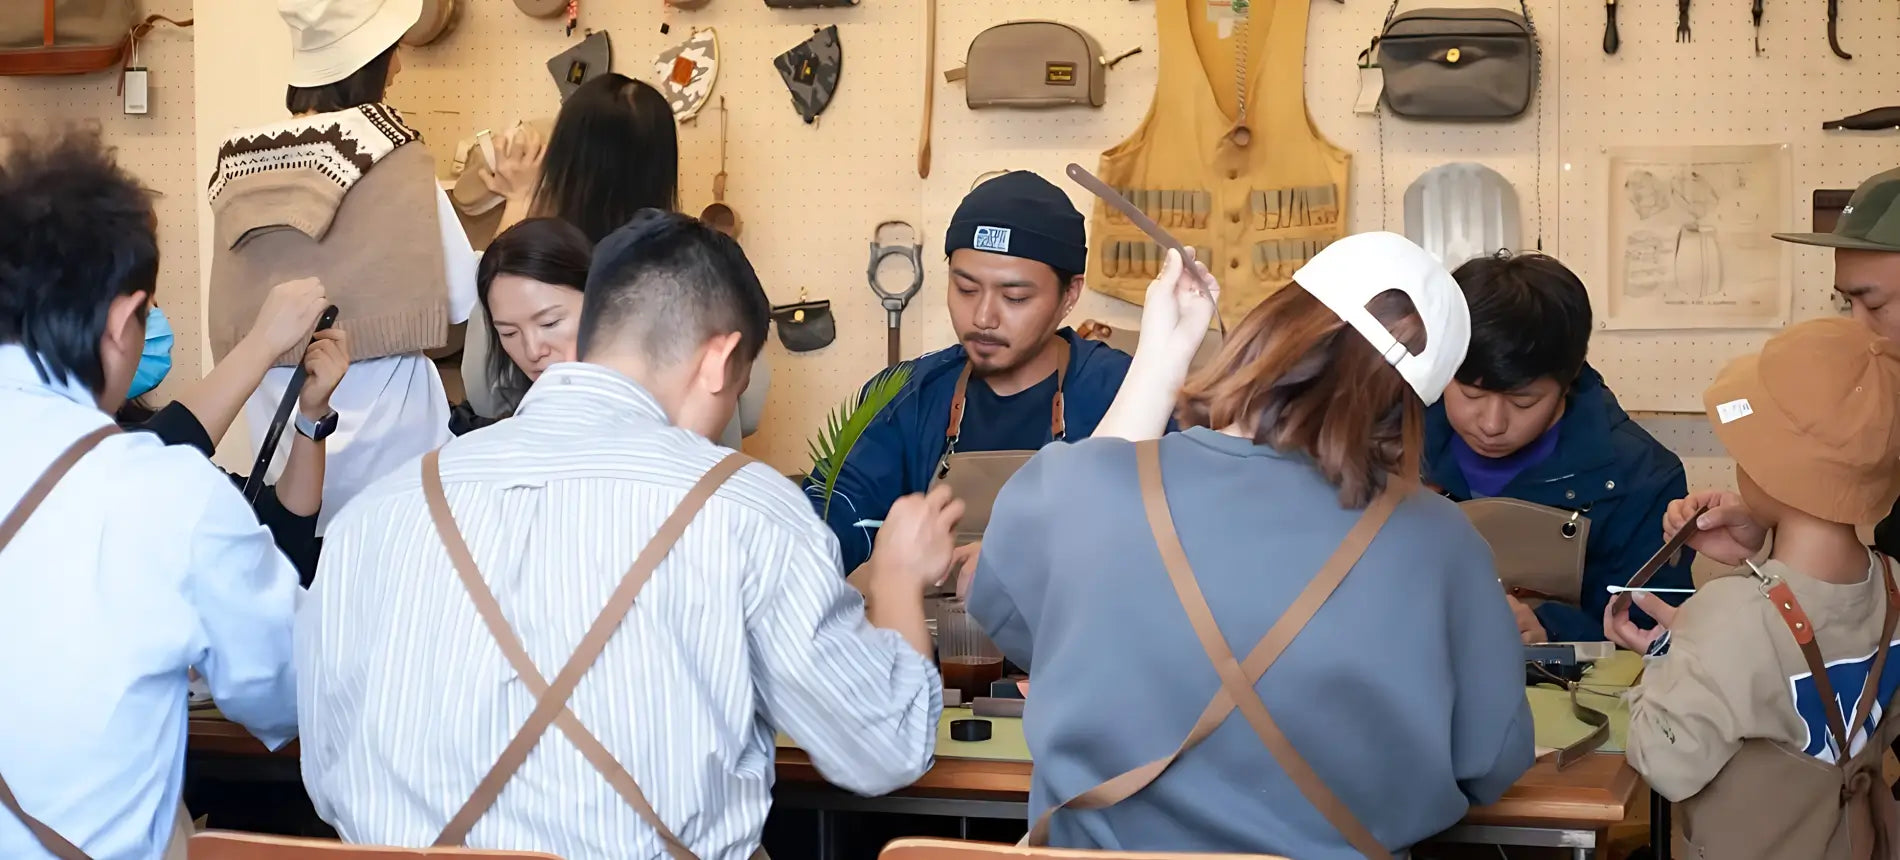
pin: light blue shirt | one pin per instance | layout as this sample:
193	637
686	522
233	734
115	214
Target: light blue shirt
144	561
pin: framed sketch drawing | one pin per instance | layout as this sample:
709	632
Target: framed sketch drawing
1690	244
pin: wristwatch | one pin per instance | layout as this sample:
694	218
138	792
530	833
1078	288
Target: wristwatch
318	430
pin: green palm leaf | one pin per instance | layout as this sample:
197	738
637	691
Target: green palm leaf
848	422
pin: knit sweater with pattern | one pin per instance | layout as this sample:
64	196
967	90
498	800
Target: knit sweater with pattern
348	198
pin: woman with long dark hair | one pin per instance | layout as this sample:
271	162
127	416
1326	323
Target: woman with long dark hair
1291	504
614	151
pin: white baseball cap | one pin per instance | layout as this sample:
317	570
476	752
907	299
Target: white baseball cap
1349	273
331	39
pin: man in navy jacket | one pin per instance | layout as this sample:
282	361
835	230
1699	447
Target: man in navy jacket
1017	249
1527	418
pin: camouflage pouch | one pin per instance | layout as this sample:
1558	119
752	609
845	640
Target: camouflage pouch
811	71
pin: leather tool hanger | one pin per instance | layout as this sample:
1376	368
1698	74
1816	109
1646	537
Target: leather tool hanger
930	87
1140	219
717	214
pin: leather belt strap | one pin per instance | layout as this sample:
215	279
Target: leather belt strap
551	699
54	843
1058	426
1238	679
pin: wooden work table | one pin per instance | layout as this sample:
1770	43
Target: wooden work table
1573	808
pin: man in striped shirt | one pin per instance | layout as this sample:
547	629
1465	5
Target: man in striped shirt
408	696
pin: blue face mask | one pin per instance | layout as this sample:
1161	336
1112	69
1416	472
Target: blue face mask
156	360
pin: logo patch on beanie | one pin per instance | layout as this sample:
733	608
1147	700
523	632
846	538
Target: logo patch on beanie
1733	410
992	239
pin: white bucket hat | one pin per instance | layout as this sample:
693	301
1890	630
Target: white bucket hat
331	39
1349	273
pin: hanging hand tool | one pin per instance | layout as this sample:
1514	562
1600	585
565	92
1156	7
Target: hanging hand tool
895	301
930	87
1611	41
1682	21
1833	29
1755	13
1878	119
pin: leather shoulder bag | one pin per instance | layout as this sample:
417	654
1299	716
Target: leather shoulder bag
1459	64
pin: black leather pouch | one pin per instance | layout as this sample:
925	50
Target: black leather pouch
805	326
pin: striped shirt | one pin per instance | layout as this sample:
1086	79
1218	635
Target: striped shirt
747	628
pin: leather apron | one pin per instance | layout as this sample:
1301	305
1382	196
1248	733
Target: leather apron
1238	679
550	707
55	844
1539	550
1254	206
977	476
1771	802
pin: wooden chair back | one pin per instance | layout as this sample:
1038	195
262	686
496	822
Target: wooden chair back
953	849
227	845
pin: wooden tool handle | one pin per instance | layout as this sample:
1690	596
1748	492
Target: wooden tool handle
1611	41
930	88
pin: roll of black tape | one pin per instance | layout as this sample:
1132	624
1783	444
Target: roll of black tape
970	730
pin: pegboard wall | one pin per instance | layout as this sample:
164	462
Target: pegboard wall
810	195
156	147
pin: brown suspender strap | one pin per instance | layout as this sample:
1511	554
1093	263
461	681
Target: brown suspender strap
1058	424
54	843
1778	593
551	704
1238	679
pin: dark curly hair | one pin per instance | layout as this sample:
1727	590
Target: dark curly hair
76	232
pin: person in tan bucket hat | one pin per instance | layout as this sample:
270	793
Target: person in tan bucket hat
1772	680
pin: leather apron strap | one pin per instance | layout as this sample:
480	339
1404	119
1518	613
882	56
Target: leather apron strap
1857	784
1239	679
54	843
1058	424
551	705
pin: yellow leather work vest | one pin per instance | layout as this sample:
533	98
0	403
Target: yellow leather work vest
1253	205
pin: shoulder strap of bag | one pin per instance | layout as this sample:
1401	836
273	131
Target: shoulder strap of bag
1238	679
551	703
1392	12
54	843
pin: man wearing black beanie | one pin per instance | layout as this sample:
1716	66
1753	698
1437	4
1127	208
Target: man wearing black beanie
1017	250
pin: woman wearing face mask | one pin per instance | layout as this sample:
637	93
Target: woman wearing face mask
205	409
614	151
344	191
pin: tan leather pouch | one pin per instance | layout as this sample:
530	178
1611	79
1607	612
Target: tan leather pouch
1033	64
1539	550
